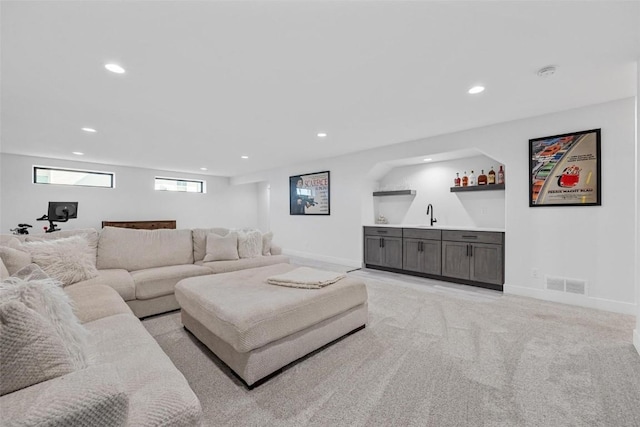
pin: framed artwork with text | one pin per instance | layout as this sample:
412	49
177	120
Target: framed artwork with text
309	194
564	170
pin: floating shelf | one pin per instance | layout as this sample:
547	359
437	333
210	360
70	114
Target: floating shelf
395	193
487	187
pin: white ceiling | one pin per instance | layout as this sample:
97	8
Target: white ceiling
207	81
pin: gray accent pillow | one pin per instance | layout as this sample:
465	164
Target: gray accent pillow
221	248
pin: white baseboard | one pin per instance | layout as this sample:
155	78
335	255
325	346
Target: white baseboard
324	258
636	340
572	299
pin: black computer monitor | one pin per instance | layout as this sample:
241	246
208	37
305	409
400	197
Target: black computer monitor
62	211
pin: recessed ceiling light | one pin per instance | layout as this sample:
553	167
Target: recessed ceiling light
322	135
476	89
114	68
90	130
244	157
427	160
78	153
203	169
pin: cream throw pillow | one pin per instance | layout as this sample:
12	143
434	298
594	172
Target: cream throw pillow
267	238
47	298
14	259
4	273
30	349
221	248
249	244
70	259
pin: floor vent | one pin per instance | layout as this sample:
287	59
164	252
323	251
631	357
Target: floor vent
555	283
576	286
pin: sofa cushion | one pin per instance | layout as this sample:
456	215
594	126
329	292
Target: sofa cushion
159	281
30	349
244	263
4	273
95	302
158	392
200	240
116	278
14	259
92	397
249	244
221	248
68	259
48	299
140	249
267	238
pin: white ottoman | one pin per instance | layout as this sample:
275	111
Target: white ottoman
257	328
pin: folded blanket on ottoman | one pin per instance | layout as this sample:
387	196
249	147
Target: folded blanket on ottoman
306	278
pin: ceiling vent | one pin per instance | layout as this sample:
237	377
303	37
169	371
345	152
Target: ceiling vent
547	71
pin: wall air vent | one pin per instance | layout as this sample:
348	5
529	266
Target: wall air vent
576	286
555	283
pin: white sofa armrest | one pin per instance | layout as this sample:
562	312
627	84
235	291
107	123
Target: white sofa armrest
89	397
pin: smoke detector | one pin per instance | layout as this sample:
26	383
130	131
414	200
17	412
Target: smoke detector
547	71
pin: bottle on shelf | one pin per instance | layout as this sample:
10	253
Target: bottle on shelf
472	179
500	175
491	176
456	180
465	179
482	178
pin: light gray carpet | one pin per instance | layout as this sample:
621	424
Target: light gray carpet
435	355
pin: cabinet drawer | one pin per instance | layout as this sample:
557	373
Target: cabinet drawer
473	236
383	231
420	233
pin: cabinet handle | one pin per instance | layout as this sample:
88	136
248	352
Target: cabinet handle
382	231
467	250
470	250
469	237
420	247
382	241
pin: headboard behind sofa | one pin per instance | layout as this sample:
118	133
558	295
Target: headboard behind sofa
141	225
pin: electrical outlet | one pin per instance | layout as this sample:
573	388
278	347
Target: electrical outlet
535	273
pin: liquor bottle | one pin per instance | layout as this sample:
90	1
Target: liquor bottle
472	179
482	178
500	175
456	181
465	179
491	178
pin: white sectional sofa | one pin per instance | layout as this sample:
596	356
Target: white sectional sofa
128	379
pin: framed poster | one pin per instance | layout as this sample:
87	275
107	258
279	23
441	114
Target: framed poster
564	170
309	194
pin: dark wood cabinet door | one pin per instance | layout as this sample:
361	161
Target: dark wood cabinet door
486	263
372	250
431	257
455	259
411	260
392	252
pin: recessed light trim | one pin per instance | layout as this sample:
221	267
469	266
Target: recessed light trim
77	153
89	130
321	134
427	159
476	89
114	68
204	169
244	157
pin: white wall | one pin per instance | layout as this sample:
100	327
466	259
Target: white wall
592	243
636	333
432	182
134	198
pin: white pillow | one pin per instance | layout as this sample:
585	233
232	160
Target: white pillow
14	259
47	298
30	349
70	259
221	248
4	273
249	244
267	238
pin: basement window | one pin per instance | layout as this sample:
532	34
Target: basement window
75	177
180	185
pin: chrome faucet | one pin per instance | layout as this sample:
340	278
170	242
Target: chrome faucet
430	212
